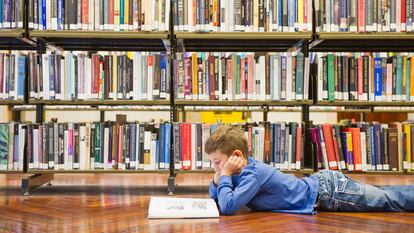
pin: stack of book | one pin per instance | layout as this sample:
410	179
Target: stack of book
364	16
241	76
85	146
12	146
277	144
365	76
364	146
243	15
11	14
99	15
13	71
101	76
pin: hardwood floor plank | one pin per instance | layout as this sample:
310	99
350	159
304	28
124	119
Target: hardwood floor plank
119	203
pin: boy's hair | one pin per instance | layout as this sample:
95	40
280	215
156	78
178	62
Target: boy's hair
227	139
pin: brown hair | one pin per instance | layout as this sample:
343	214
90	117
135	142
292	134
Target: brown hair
227	139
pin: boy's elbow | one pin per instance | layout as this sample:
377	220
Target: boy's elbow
227	211
228	208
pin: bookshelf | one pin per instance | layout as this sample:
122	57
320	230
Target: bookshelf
16	39
365	103
175	42
240	41
362	42
241	103
103	40
97	171
102	102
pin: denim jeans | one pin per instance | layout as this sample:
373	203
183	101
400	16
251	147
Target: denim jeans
337	192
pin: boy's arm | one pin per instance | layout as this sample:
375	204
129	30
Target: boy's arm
213	190
214	183
230	198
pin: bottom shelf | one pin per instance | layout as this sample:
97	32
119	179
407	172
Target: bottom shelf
304	171
11	172
96	171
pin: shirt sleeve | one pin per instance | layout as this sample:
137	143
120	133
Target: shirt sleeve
213	190
232	199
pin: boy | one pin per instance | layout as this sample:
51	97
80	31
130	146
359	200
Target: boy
241	181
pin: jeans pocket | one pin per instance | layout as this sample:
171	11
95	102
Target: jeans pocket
347	186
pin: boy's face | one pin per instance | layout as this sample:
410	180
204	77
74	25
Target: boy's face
218	159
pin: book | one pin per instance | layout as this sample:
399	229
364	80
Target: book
162	207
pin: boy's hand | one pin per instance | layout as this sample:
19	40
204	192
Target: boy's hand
216	178
216	175
233	165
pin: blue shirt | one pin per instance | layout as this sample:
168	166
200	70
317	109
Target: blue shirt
263	188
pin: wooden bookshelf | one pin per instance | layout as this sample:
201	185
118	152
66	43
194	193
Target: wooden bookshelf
14	39
12	102
99	34
96	171
103	40
240	41
240	103
11	172
299	172
359	42
102	102
364	103
365	36
378	173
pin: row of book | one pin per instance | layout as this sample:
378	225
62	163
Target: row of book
243	15
138	146
99	15
13	71
206	76
102	76
364	146
241	76
85	146
277	144
212	15
365	77
348	146
364	16
11	14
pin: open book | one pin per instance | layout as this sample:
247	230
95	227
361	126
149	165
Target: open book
164	207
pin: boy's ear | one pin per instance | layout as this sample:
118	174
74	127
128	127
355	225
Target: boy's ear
238	153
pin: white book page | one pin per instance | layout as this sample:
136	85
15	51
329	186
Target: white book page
164	207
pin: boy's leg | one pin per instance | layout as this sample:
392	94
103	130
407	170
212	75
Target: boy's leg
339	193
397	187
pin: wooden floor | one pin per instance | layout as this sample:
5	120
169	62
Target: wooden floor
119	203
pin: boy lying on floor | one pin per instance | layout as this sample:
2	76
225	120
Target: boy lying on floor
240	181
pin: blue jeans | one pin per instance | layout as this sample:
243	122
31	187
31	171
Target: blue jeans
337	192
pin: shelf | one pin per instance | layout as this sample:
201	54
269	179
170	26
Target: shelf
10	172
101	102
363	103
240	103
95	171
240	41
305	171
14	39
194	171
360	42
12	102
378	173
103	40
